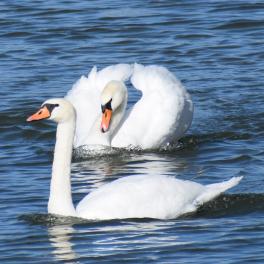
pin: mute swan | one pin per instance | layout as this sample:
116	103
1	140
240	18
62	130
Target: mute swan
162	115
160	197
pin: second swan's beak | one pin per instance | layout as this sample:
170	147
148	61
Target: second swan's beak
42	113
106	119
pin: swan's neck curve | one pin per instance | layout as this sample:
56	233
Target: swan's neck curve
117	119
97	137
60	200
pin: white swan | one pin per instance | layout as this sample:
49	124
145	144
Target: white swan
159	197
163	113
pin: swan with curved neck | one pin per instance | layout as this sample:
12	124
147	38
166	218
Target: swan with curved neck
113	105
160	116
161	197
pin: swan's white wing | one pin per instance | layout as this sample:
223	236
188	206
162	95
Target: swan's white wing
163	113
213	190
142	196
85	96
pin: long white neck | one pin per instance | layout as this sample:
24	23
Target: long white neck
60	200
97	137
117	119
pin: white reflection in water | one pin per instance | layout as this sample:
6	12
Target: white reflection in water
59	237
93	173
112	238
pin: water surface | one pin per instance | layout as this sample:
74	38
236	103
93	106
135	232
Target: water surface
214	47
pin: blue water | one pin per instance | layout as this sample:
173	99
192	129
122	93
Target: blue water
214	47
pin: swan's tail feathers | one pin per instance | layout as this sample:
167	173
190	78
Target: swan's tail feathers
215	189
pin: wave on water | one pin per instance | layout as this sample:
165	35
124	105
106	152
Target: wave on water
241	24
187	142
226	205
50	219
94	151
215	136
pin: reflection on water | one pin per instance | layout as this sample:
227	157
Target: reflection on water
60	236
94	172
110	239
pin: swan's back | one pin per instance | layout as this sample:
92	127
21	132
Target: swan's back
162	115
160	197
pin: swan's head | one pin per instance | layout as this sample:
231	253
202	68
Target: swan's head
113	96
57	109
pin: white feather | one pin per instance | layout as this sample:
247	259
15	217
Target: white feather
163	113
161	197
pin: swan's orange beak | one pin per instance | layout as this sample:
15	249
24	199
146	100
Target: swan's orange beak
106	119
42	113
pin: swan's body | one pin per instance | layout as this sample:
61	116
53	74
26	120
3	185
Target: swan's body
159	197
162	115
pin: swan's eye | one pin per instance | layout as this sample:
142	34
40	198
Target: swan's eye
107	106
50	107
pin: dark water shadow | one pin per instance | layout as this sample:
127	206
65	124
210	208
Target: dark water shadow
229	205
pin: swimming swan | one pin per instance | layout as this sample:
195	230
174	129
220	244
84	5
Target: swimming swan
162	115
160	197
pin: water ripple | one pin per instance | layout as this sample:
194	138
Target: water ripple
214	47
